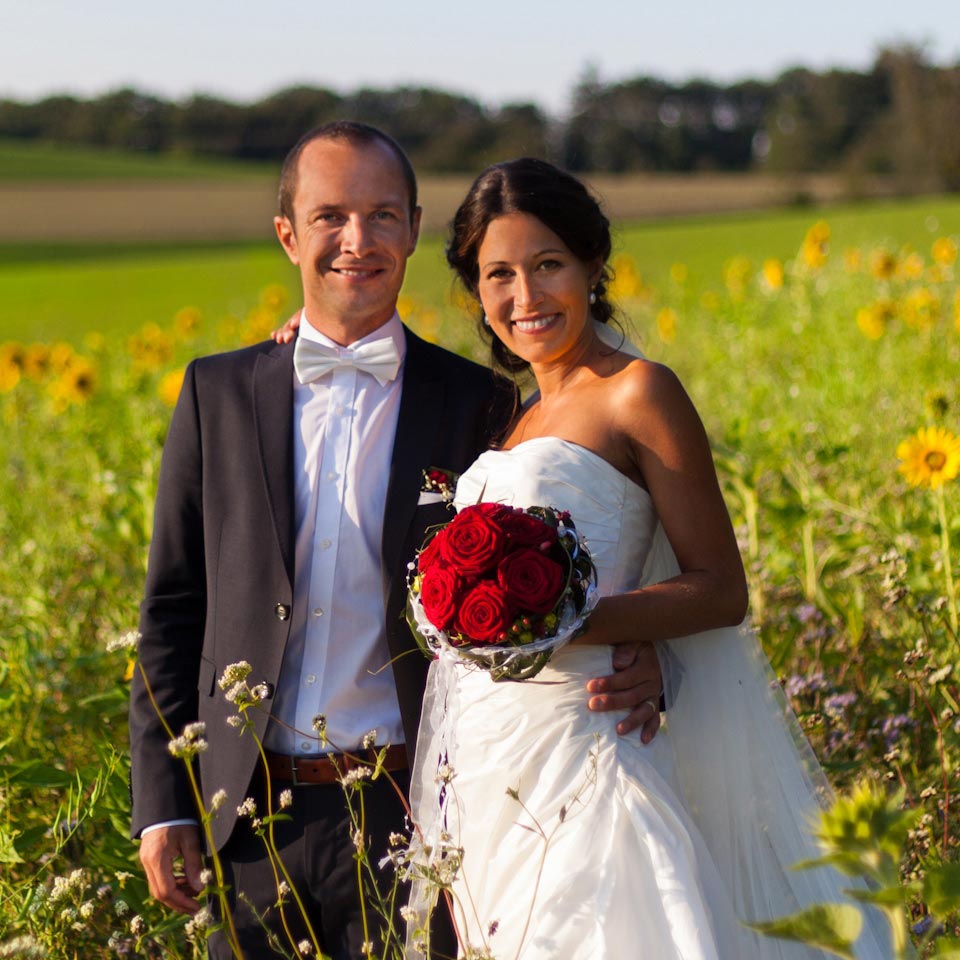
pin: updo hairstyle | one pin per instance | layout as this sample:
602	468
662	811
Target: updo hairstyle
558	200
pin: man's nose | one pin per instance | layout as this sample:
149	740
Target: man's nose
356	236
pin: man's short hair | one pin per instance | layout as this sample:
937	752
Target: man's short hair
350	131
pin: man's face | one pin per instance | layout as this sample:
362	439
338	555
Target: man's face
351	235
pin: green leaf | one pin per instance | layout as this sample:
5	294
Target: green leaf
833	927
941	889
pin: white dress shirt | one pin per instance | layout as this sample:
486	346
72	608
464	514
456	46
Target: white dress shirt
337	662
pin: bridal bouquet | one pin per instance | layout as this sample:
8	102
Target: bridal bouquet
501	587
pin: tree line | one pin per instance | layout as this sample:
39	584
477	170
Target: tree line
899	118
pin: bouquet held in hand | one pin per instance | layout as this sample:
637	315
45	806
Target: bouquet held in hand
502	587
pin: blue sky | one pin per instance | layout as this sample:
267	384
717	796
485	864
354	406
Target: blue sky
498	52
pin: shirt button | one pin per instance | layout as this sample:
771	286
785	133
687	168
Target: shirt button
326	544
311	678
318	611
281	611
338	409
305	745
331	474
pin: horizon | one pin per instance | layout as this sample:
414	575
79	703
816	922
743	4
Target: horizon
496	56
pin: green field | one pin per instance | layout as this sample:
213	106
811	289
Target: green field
28	160
61	291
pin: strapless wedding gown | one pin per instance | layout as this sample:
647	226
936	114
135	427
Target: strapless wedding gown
577	842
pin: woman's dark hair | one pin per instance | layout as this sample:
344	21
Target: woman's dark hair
558	200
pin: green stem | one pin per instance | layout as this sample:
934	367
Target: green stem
945	550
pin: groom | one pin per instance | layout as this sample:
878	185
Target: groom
291	497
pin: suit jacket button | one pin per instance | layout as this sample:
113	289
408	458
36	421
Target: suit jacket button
282	611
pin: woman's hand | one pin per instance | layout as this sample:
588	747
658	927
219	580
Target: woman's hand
288	331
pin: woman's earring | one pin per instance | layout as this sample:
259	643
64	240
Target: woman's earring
486	320
592	298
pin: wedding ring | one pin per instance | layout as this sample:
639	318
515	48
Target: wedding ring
653	703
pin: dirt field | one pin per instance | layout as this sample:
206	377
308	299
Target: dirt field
213	211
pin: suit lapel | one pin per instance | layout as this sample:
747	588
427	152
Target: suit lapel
417	425
273	414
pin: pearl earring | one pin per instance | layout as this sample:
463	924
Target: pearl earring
592	298
486	320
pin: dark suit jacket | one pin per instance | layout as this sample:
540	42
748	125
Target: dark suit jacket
220	575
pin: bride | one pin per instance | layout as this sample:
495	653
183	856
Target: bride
577	842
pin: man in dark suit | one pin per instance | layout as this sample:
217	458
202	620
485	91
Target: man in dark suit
290	501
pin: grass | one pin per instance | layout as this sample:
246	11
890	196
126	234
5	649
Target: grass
30	160
61	291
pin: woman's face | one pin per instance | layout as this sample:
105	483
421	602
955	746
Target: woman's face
534	291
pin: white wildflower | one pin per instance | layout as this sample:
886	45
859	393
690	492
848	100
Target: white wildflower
235	673
193	731
369	739
408	913
126	641
366	948
121	908
260	692
283	889
355	775
137	926
445	773
248	808
206	877
68	913
305	947
235	720
319	724
218	800
286	799
23	947
86	909
356	837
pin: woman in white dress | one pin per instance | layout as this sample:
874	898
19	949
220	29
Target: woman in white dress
577	842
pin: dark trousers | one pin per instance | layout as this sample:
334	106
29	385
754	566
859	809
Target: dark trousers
317	849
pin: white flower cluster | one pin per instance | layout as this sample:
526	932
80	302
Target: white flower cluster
237	690
354	776
190	742
125	641
23	947
196	927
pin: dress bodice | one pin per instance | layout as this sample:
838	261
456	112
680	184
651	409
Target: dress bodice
614	515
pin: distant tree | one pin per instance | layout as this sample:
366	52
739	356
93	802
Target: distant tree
273	125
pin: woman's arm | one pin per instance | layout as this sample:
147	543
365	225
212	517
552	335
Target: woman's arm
669	446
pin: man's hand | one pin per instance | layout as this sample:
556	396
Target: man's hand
636	686
288	331
158	850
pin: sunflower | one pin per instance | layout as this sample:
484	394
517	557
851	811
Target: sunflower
945	251
667	324
75	385
169	387
930	457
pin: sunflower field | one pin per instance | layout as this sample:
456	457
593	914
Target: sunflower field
824	360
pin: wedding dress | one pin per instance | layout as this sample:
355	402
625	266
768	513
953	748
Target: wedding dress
579	843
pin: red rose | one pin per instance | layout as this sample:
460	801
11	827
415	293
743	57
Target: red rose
473	542
484	613
430	552
523	530
531	580
439	595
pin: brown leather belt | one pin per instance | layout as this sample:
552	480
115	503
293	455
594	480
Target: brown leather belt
332	766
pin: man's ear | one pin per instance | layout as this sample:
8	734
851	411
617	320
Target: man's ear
415	229
288	239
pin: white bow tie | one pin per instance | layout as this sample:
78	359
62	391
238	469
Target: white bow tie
312	360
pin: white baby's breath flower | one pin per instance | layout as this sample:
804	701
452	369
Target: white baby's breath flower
408	914
137	926
121	908
283	888
366	948
218	800
248	808
68	913
206	877
286	799
369	739
87	908
356	836
305	947
235	720
193	731
125	641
